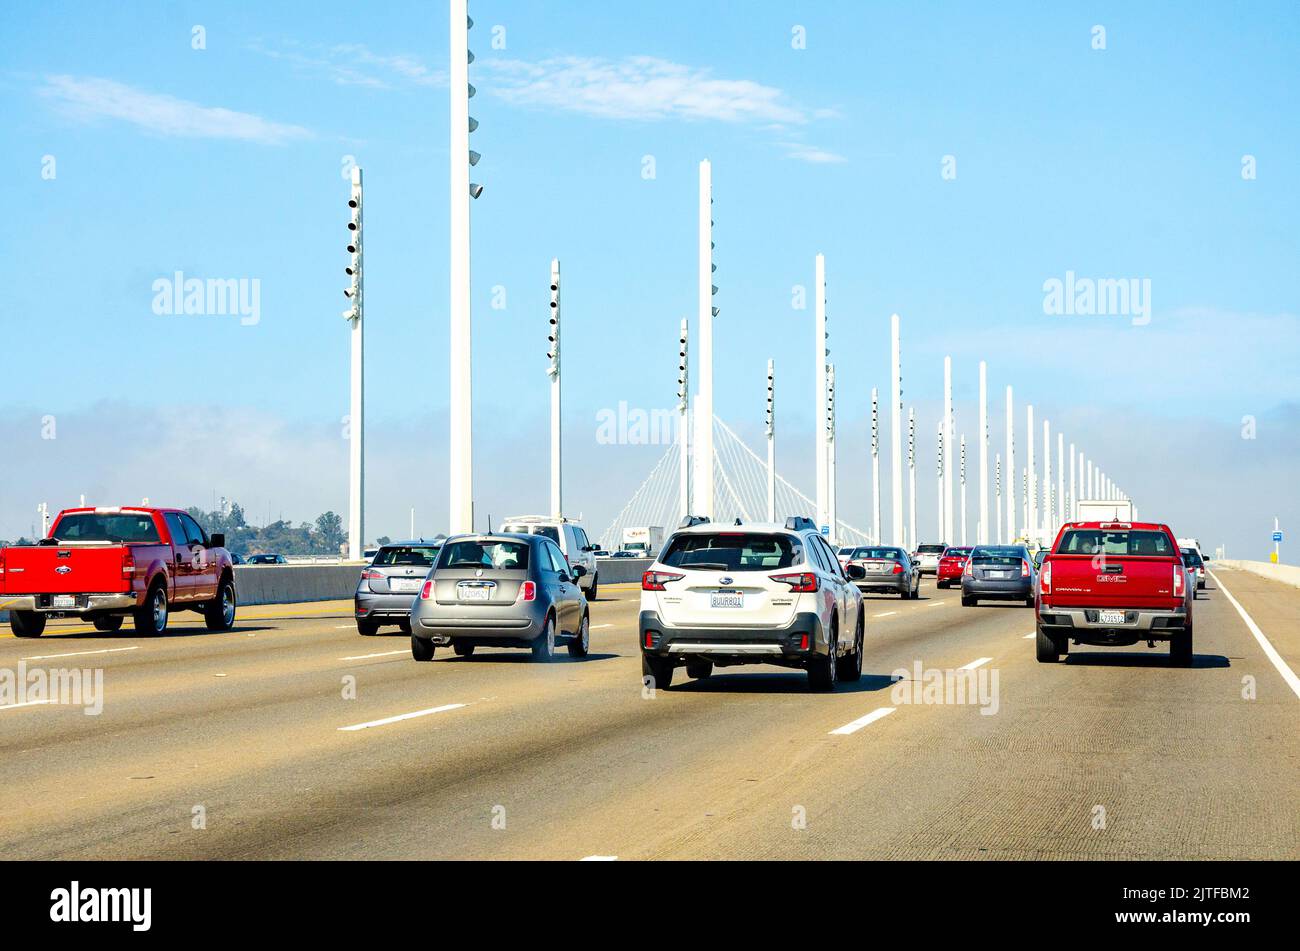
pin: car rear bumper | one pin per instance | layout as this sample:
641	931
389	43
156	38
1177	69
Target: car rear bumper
887	583
791	645
492	625
1013	588
1082	623
370	606
85	603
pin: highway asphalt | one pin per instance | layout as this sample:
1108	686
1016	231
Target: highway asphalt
286	739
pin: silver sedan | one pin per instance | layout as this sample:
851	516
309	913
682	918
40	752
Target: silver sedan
501	591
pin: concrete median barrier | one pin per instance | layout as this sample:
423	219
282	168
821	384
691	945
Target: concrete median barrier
292	584
1287	574
621	570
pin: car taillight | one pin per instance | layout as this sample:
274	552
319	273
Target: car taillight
527	592
969	570
1045	578
804	582
128	564
427	591
1024	569
1178	581
655	580
898	569
371	576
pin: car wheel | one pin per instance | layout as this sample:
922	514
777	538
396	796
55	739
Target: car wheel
1180	648
219	613
405	625
581	642
1047	647
659	670
367	628
595	587
109	624
968	602
422	648
850	668
544	645
1029	602
463	650
151	617
26	623
822	670
700	669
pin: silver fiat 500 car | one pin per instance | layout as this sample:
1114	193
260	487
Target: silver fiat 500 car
501	590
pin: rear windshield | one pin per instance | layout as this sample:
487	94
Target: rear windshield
92	527
1123	541
930	549
888	554
501	555
998	556
957	552
737	551
1191	559
413	557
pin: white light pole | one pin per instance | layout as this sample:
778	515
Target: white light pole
982	535
830	462
1011	473
1076	462
460	379
557	472
911	479
412	535
896	430
948	450
704	399
1091	488
43	510
819	378
997	490
963	490
1031	484
771	440
1061	515
875	466
1048	523
939	481
355	293
684	418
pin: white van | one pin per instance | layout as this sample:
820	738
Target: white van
569	535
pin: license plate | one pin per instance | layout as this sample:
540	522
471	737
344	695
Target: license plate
65	601
1112	617
875	569
726	599
474	593
1002	574
404	584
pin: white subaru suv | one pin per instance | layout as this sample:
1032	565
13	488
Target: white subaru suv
723	595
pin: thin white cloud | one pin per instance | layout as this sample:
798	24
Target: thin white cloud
810	153
354	64
90	98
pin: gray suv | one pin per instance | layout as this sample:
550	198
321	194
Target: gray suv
501	590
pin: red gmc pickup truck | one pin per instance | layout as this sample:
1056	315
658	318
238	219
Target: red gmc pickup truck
103	564
1114	584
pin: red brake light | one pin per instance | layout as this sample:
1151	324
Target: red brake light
427	591
655	580
128	564
898	569
804	582
1178	581
527	592
1024	569
1045	578
969	569
369	575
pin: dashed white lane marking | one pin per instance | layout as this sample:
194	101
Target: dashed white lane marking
29	703
108	650
976	663
599	858
400	717
937	604
1029	637
860	722
382	654
1270	652
885	614
598	627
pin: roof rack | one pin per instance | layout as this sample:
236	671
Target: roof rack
691	521
800	523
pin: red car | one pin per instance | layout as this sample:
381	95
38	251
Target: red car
106	564
951	564
1114	584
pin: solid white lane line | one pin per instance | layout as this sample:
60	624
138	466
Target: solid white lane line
976	663
384	654
597	627
400	717
29	703
1029	637
599	858
109	650
886	614
860	722
1270	652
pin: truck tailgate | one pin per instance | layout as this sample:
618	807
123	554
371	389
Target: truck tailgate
1118	581
53	570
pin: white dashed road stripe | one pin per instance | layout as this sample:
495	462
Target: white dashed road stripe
110	650
860	722
384	654
400	717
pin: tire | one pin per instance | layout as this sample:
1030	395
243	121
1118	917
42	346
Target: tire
544	644
580	644
405	625
659	670
26	623
850	668
822	671
108	625
700	669
916	592
367	628
422	648
1047	648
151	618
595	587
968	602
462	650
1029	602
219	613
1180	648
941	584
905	594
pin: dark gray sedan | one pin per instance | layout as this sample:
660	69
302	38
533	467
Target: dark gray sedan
391	582
501	591
886	571
999	573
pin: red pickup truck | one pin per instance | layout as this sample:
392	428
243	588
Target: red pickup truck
1114	584
104	564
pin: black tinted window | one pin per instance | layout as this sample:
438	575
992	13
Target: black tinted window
406	557
1128	542
738	551
500	555
93	527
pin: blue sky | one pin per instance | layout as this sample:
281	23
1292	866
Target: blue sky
225	163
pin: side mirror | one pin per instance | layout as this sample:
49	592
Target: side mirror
577	571
217	540
856	572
